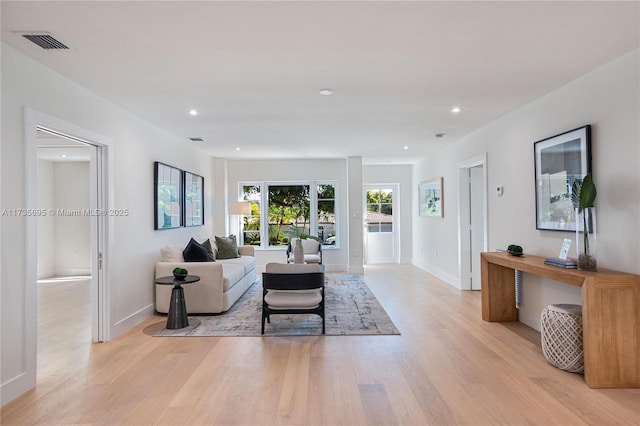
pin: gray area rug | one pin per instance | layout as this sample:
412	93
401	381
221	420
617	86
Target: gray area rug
350	309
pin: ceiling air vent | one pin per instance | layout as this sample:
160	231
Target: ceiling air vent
196	139
45	40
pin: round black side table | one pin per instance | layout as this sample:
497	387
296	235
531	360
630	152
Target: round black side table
177	316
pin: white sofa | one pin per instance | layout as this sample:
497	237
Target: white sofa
221	282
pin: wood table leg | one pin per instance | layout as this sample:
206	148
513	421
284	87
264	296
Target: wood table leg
611	331
498	292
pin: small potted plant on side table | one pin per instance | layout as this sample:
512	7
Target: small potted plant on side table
180	273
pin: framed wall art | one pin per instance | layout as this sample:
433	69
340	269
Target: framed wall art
167	196
559	161
193	199
430	198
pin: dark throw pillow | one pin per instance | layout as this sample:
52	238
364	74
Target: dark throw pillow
194	252
227	247
210	252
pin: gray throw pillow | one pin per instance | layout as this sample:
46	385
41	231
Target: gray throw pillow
210	252
227	247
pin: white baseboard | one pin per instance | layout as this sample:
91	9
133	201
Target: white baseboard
46	274
358	270
126	324
73	272
335	267
64	273
532	320
449	279
16	386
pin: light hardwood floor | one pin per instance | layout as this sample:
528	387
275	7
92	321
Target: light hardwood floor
447	367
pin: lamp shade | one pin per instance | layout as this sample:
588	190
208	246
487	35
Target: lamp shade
240	208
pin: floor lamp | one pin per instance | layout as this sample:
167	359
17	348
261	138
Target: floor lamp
239	209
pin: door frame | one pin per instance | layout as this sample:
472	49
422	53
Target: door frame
395	205
101	228
464	240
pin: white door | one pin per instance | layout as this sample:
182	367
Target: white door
380	226
472	220
476	214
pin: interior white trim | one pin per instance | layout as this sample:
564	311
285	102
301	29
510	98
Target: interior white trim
464	242
132	320
32	120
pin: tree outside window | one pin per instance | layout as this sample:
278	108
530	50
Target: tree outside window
291	209
379	210
327	213
251	224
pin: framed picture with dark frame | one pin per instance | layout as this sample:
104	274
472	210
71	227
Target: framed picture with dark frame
167	196
430	197
193	199
559	161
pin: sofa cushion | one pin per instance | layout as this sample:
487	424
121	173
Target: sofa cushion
171	254
194	252
247	262
232	273
227	247
293	299
310	246
210	252
312	258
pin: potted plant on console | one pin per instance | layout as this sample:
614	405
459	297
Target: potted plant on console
583	195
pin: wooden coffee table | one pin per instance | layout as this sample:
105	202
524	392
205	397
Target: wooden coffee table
177	316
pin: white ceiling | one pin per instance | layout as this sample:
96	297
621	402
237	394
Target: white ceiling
60	149
253	69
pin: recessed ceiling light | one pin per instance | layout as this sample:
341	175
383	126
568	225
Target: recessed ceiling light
326	92
406	147
193	112
455	110
237	148
64	156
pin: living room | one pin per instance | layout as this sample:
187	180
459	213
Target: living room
603	94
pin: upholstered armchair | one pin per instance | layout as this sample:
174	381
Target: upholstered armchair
312	251
292	289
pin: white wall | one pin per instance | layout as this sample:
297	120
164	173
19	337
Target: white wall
46	223
295	171
400	174
607	98
136	145
63	241
73	233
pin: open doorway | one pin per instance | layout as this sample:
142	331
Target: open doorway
101	234
64	247
472	226
381	233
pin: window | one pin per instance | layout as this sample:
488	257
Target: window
281	211
251	223
327	213
379	210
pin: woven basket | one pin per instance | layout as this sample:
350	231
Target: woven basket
562	337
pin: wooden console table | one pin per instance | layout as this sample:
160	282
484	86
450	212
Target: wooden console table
610	313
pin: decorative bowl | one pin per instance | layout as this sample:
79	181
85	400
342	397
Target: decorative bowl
515	253
180	277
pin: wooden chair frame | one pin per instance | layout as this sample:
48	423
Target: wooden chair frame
292	281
